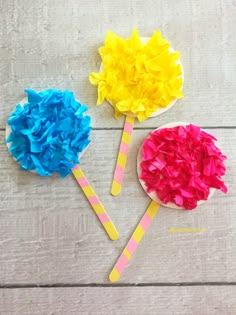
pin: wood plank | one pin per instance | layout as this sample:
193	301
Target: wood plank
204	300
48	233
55	45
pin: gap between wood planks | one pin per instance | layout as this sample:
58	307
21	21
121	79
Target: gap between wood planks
152	128
110	285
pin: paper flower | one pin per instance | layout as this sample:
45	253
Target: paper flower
138	78
181	164
49	132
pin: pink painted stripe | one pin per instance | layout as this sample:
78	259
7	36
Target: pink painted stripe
131	246
83	181
121	263
145	221
124	148
76	167
128	127
119	174
93	200
103	217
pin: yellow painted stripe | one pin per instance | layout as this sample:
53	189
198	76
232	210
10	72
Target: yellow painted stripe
114	275
98	209
130	120
111	230
88	190
77	173
186	230
138	234
127	253
115	188
122	159
126	137
152	209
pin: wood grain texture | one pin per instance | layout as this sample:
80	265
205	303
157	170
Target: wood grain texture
126	301
49	234
54	44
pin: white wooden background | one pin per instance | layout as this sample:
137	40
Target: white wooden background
54	255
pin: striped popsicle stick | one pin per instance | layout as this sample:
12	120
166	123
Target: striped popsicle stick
135	239
95	203
122	156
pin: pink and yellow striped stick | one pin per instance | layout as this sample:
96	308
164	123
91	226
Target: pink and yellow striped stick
95	203
135	239
122	156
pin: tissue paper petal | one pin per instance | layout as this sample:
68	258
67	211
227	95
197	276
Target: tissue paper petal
181	164
138	78
49	132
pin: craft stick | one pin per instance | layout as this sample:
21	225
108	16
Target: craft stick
135	239
122	156
95	203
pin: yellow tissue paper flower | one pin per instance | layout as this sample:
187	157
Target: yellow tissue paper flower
138	78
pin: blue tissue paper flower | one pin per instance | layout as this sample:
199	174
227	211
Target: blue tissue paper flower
49	132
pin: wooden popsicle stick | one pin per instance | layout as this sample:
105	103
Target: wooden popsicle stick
135	239
122	156
95	203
